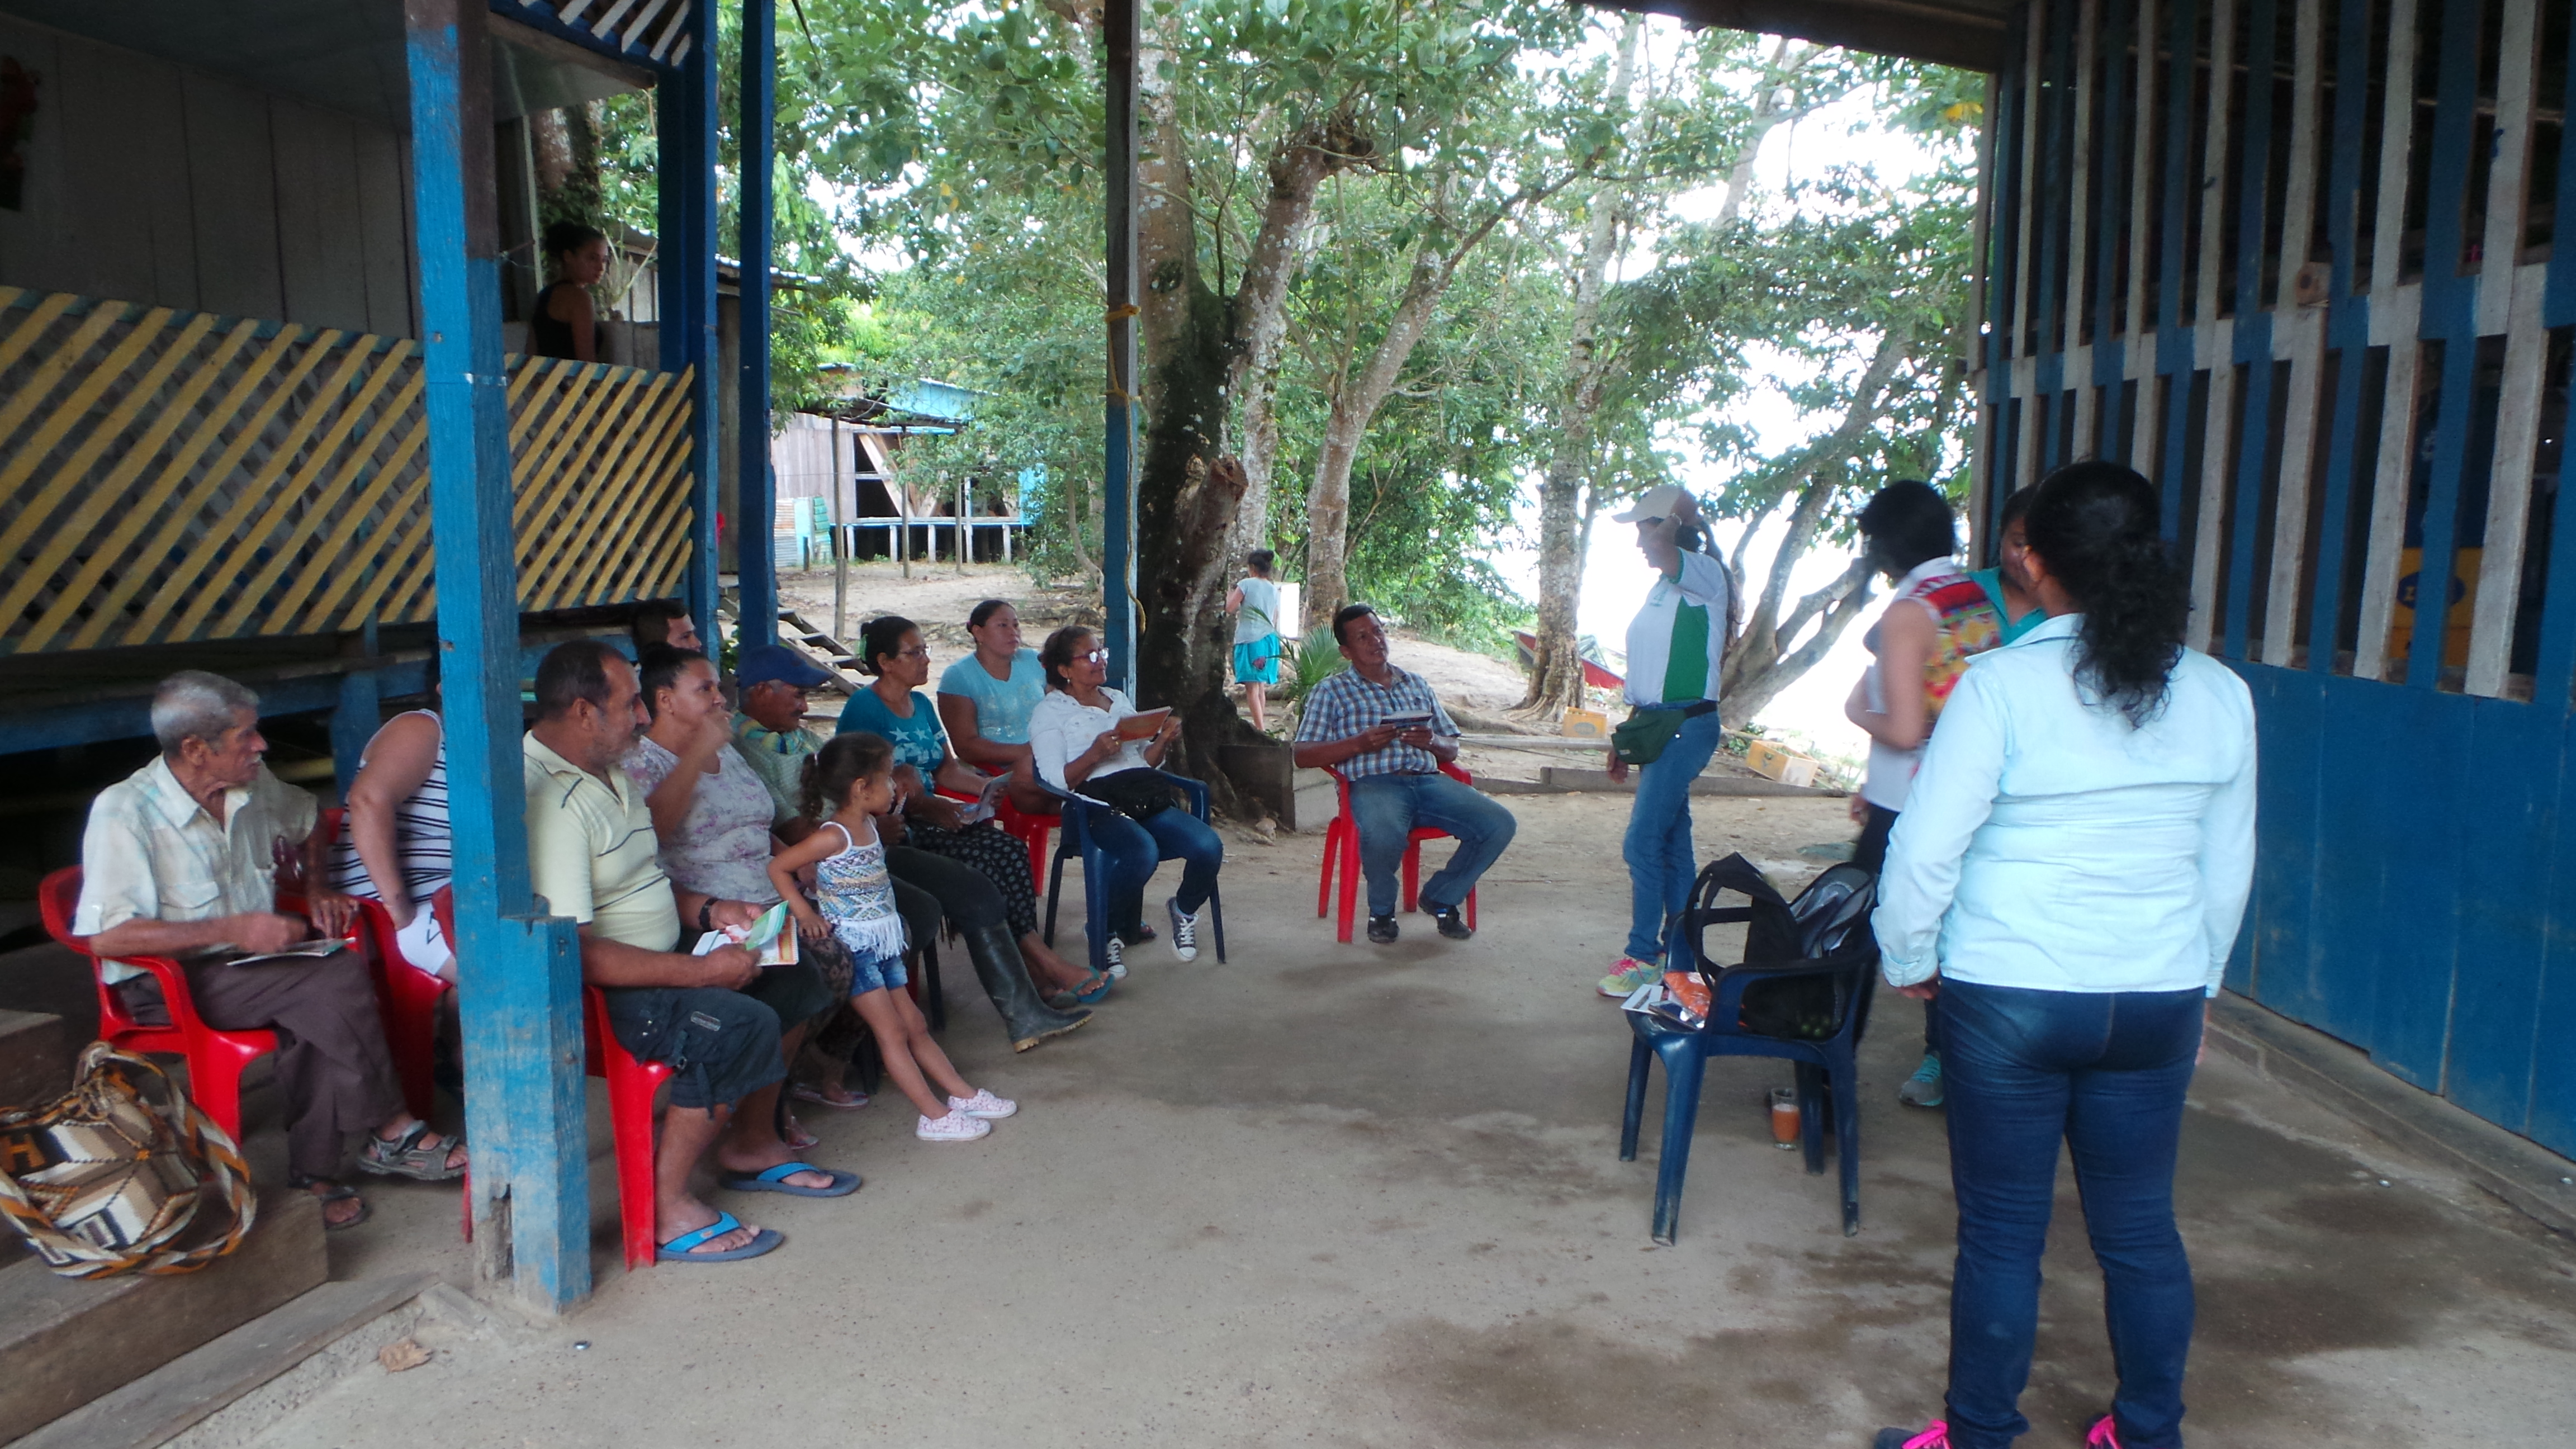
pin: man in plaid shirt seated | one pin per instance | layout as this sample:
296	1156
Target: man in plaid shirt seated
1385	731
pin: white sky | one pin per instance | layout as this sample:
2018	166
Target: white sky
1615	578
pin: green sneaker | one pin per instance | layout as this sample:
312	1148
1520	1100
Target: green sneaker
1923	1089
1626	975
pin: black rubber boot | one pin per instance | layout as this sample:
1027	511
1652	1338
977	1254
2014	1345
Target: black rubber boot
996	954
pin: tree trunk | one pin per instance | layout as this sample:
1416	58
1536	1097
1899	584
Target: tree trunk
1556	673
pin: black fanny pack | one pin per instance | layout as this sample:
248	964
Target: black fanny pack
1136	794
1640	739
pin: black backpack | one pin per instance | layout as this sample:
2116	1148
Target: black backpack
1827	925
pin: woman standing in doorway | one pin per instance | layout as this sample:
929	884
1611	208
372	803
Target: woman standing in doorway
2065	885
565	323
1675	645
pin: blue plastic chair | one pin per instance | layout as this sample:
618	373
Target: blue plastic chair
1075	841
1833	939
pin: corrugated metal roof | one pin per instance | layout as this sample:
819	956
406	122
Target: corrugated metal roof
1964	33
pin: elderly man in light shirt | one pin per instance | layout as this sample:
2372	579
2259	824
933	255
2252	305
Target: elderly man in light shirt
179	860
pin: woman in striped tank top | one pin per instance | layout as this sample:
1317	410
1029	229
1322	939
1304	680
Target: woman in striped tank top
1938	620
393	843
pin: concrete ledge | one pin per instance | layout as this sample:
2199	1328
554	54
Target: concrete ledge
2522	1172
1569	777
195	1386
67	1341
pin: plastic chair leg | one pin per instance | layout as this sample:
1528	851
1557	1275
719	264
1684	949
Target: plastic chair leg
1683	1065
1845	1076
630	1117
1095	903
1055	889
1350	864
1811	1116
1641	1058
1412	876
1216	918
214	1081
1471	910
934	1000
1324	879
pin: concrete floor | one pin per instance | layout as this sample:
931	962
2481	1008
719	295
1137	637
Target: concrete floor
1362	1196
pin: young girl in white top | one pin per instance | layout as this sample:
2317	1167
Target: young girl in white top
847	785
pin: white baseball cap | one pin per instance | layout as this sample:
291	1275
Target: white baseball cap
1661	501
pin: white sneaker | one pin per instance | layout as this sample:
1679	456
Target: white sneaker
955	1127
1116	970
1185	931
984	1105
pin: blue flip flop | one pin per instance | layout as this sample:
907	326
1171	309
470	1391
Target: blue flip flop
1093	996
775	1180
677	1250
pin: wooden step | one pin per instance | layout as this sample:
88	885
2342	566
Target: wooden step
67	1341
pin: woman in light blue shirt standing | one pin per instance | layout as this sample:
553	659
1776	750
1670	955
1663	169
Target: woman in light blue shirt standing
2066	882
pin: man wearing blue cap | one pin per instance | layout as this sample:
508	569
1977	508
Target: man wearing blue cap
769	728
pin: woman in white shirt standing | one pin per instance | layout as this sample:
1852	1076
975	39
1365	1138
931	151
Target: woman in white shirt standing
1675	645
2066	881
1073	735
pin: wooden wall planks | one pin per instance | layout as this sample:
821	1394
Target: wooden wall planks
2416	787
156	184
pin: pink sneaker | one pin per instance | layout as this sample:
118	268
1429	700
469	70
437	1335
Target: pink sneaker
984	1105
2103	1435
1935	1435
955	1127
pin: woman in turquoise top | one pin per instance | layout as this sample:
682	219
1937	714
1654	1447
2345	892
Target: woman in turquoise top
2007	584
891	649
985	700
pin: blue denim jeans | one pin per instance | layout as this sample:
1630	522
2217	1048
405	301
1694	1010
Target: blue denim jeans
1389	808
2106	1072
1135	848
1661	863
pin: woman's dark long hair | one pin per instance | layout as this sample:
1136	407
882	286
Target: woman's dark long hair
2094	526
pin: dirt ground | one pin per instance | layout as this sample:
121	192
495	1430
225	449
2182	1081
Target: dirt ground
1362	1196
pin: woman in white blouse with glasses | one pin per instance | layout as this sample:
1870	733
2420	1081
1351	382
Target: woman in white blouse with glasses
2066	882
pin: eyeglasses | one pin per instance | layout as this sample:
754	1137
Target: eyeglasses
1096	656
921	653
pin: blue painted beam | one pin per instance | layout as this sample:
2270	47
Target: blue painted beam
2450	316
2253	331
1118	451
755	488
685	179
2347	330
2173	339
520	984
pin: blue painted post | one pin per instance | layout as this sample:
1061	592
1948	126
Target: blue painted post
353	723
2173	333
2347	329
2253	332
2004	200
2557	666
2111	217
685	118
2450	315
755	489
1118	472
521	982
2050	231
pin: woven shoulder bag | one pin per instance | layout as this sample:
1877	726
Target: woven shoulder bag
122	1174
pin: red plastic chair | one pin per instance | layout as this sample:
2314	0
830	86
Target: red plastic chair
215	1059
631	1088
632	1085
1034	831
1342	846
409	996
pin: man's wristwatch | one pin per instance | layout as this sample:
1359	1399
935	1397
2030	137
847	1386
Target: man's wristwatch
706	914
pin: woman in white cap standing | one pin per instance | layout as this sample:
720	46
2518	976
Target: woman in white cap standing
1675	645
